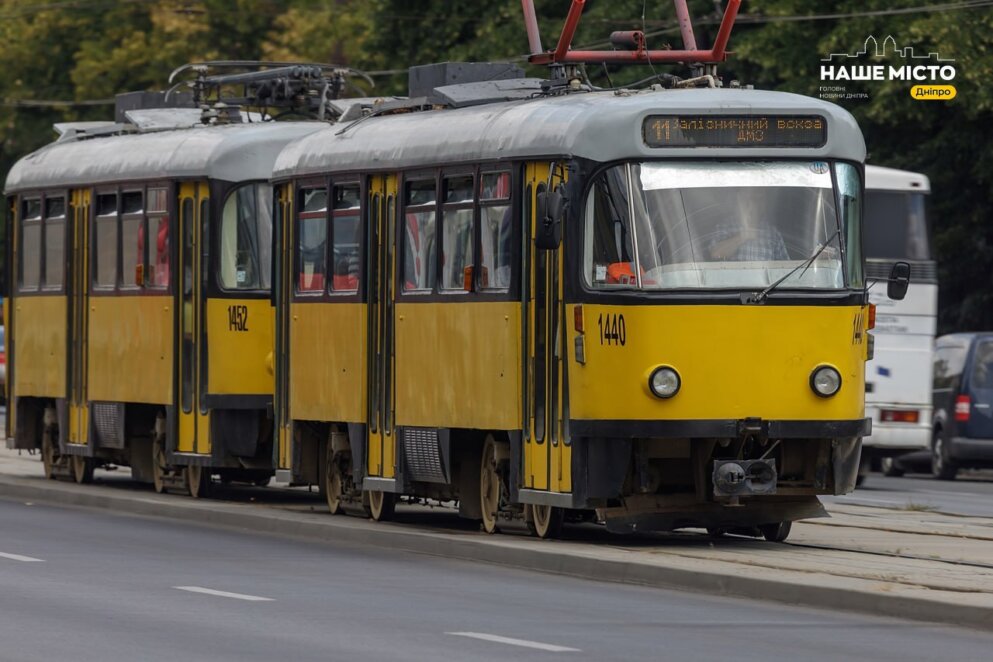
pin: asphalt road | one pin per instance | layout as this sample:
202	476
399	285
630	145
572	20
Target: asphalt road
84	585
971	493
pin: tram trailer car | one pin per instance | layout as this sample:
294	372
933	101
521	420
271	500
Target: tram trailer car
140	326
690	354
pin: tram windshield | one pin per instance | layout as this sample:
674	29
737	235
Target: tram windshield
722	225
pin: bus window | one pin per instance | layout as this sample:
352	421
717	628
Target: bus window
345	239
312	233
896	226
246	239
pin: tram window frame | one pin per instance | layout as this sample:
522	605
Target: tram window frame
32	221
337	214
156	213
132	215
102	220
59	220
450	214
434	207
262	198
506	202
301	215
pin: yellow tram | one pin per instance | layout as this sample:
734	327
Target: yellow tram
646	307
140	323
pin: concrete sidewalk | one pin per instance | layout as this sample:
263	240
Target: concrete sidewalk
855	561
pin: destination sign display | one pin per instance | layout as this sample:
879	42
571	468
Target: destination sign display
735	131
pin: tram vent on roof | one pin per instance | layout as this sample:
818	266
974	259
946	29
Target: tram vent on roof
457	84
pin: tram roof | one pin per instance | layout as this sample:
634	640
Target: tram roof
603	126
231	152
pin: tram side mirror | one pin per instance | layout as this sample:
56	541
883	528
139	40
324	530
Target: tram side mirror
899	281
550	208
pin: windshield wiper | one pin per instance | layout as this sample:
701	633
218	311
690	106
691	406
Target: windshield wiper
761	296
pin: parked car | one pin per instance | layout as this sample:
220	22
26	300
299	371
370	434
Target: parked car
963	403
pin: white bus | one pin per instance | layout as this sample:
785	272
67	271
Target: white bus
898	379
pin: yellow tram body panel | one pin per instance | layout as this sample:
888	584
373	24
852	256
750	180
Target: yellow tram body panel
734	362
328	362
130	349
241	344
40	333
459	365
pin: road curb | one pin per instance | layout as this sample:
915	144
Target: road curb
546	557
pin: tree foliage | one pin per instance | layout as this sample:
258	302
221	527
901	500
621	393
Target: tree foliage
87	50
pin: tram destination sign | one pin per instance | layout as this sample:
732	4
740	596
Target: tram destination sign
735	131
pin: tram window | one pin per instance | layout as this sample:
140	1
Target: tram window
131	202
246	239
312	240
713	225
133	244
55	223
158	252
345	261
495	231
495	186
158	200
458	189
30	258
496	235
850	206
105	242
457	258
420	245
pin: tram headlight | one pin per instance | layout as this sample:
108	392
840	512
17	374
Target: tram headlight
825	381
664	382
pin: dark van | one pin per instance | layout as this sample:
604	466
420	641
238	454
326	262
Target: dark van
963	403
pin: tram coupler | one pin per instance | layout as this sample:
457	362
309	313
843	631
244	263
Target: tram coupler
735	478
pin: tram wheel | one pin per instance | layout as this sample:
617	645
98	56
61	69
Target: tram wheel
382	505
158	466
49	454
198	481
333	483
489	486
778	532
82	469
545	521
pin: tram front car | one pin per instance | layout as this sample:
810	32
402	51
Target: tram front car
716	319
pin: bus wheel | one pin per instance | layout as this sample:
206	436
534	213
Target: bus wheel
382	505
333	482
49	454
778	532
489	486
545	521
198	481
82	469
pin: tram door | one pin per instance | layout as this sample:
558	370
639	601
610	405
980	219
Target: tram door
283	288
380	278
193	430
78	282
547	454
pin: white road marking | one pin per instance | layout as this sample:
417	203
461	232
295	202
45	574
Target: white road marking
223	594
18	557
552	648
